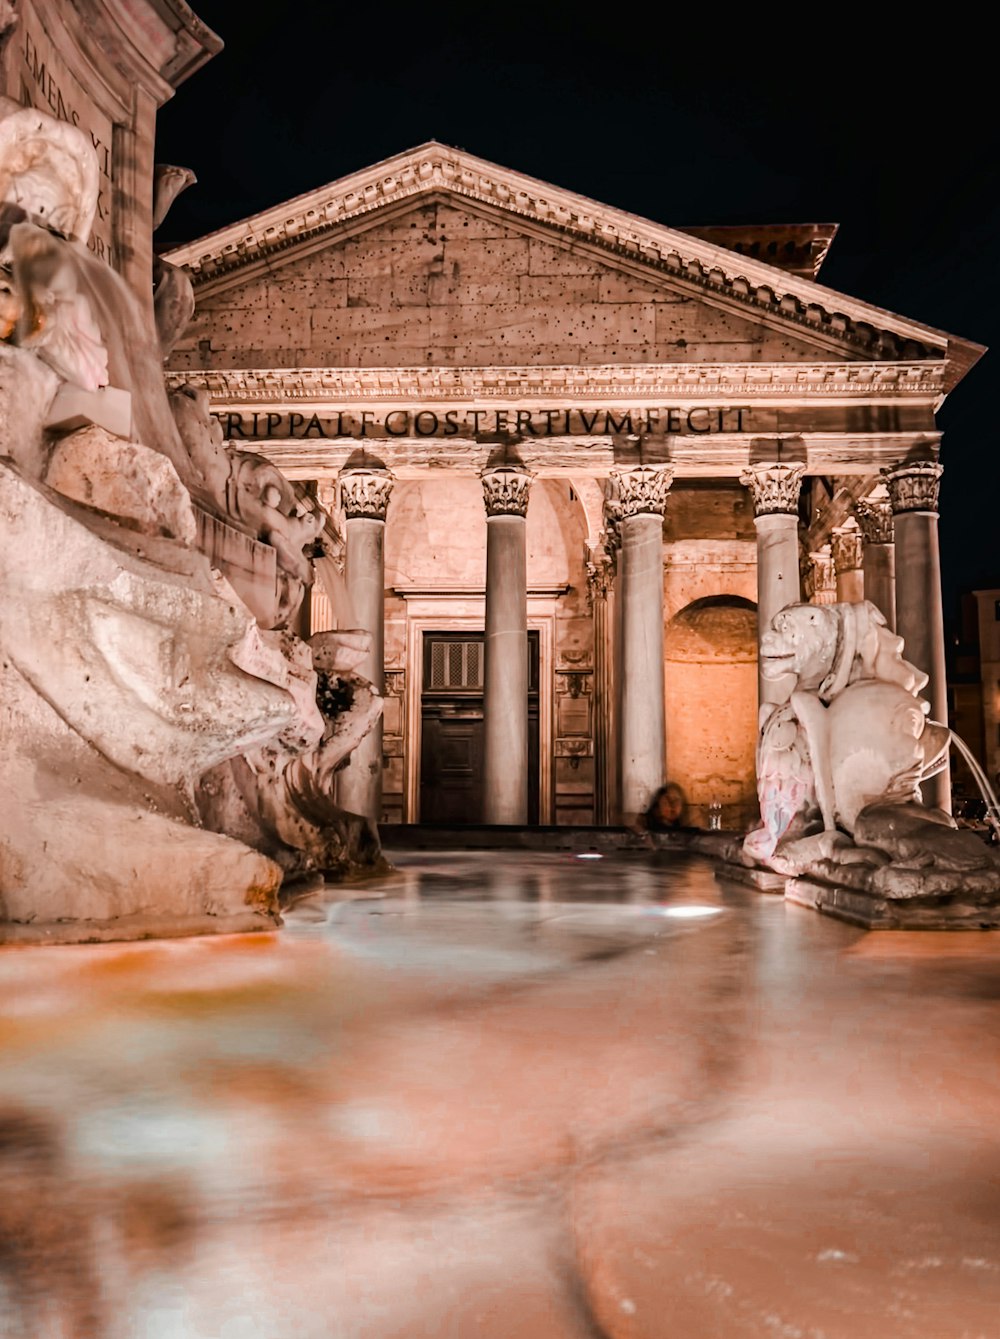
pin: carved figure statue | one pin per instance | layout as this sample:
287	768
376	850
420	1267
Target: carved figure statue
844	757
250	494
130	666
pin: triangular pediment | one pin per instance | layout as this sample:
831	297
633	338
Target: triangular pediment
437	256
441	282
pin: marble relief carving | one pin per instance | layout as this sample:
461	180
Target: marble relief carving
132	668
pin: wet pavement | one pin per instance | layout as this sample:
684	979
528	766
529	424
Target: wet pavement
518	1095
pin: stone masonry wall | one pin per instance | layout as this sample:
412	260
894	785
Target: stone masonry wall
446	286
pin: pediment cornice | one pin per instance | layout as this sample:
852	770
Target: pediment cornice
690	262
857	381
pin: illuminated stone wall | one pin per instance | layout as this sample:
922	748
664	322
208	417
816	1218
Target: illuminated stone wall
444	285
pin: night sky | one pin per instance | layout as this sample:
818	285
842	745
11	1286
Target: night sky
886	126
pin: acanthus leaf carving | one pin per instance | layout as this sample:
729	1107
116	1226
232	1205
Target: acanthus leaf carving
365	493
505	491
914	486
774	486
642	491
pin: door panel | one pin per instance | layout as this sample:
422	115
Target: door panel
451	765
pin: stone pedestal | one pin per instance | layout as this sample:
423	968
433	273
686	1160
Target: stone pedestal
846	547
913	493
775	490
365	497
879	558
505	671
642	498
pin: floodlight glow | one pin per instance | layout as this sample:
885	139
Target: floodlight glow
689	912
589	855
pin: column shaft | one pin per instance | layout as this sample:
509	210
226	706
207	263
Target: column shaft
879	555
920	622
600	594
777	579
848	555
880	579
642	738
359	785
505	691
851	586
913	491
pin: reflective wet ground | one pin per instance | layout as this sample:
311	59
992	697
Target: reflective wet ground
520	1096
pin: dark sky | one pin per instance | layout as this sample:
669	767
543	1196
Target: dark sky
885	125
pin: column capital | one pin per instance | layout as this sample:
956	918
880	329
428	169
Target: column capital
846	547
505	490
642	491
874	514
820	580
914	487
600	576
611	535
365	493
774	486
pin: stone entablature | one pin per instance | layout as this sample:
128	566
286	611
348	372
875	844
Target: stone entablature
584	457
874	382
690	264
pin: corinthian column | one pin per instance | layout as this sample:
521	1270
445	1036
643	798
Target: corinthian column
641	501
913	493
845	544
600	576
365	499
874	515
505	671
775	491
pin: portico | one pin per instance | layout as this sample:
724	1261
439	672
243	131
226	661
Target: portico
678	428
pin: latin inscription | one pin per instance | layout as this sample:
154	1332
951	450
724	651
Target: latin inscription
484	423
47	85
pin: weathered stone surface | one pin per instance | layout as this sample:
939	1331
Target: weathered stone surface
431	287
27	388
878	911
88	850
137	486
923	838
280	798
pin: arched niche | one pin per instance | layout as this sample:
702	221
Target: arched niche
710	653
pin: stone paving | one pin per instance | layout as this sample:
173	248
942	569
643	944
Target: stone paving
507	1095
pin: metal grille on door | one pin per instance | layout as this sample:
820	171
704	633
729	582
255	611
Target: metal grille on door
456	666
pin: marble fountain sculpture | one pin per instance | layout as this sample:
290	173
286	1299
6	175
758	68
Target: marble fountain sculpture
841	757
168	742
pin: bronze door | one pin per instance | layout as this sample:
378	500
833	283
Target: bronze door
451	748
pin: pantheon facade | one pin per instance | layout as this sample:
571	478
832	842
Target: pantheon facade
579	460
